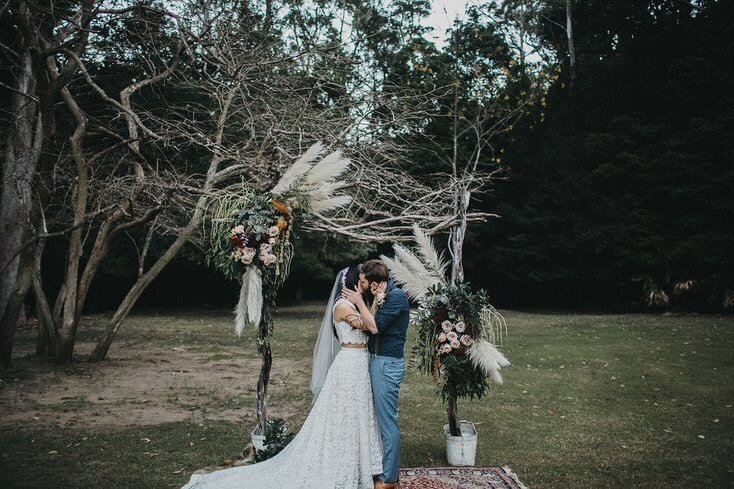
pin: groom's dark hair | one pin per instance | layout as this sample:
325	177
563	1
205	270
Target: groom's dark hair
374	271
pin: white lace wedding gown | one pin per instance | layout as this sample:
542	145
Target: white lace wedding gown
339	444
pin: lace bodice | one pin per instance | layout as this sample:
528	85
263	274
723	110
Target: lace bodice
345	332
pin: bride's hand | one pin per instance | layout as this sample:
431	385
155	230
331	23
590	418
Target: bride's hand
353	296
380	293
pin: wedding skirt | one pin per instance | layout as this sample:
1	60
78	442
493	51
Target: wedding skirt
338	446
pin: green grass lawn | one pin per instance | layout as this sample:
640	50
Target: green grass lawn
590	401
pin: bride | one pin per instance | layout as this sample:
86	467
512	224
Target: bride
339	444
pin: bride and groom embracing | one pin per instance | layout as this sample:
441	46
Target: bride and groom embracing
350	438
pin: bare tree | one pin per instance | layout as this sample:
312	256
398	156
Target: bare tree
30	146
242	109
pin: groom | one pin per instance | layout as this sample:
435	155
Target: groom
387	365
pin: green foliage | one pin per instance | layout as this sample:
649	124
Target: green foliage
627	176
276	439
227	209
453	371
460	379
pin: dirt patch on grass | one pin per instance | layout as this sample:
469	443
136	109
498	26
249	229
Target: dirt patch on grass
144	382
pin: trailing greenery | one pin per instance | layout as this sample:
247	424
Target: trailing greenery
226	210
276	439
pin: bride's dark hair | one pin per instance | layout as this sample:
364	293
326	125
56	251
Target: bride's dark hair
350	279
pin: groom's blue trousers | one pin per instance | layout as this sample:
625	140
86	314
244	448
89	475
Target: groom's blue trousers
386	373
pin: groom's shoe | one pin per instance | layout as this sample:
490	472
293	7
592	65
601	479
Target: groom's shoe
386	485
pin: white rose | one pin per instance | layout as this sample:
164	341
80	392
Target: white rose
265	248
271	241
460	327
267	259
238	229
274	231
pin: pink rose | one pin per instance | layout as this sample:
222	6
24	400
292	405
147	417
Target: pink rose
446	326
442	337
460	327
455	344
274	231
452	336
445	349
249	253
466	340
265	248
271	241
268	259
239	229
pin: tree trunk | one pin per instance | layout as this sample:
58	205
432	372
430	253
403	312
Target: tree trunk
10	316
46	339
571	47
71	313
20	160
457	235
299	295
262	391
456	246
144	280
453	415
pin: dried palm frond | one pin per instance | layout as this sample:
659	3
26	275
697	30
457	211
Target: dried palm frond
413	263
489	359
330	203
434	262
328	169
254	295
323	199
241	309
413	285
298	169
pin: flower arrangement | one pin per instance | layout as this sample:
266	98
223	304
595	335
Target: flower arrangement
252	231
251	242
457	328
261	234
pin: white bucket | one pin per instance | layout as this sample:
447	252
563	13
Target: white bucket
461	450
258	441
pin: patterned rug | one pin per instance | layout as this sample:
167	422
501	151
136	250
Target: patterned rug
459	477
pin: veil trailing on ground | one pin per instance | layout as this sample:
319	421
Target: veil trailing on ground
327	345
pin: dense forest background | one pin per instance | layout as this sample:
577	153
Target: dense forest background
616	188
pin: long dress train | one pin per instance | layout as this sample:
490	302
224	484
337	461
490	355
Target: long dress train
339	444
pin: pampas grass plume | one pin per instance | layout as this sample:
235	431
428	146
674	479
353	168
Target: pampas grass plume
488	358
